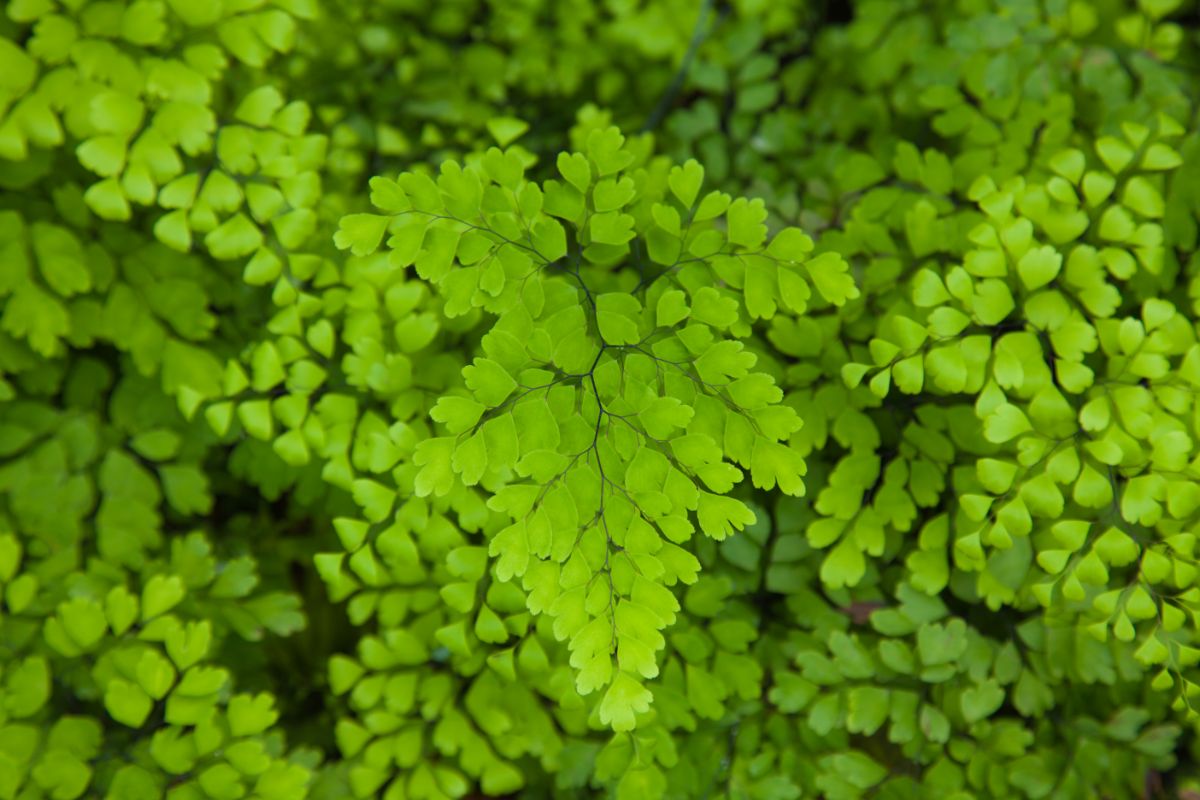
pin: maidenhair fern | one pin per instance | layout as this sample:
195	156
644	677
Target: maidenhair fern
378	420
614	405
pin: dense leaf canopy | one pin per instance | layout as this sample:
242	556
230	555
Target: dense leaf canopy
431	399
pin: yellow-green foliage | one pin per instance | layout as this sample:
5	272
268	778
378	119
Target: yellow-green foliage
422	399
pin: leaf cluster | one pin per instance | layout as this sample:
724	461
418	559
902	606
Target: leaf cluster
378	420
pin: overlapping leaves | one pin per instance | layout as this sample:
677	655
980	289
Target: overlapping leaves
613	408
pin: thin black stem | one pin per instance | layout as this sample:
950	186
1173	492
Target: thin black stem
699	34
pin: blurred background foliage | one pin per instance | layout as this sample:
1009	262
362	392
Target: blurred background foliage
202	399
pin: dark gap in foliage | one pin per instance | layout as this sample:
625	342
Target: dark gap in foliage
283	535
